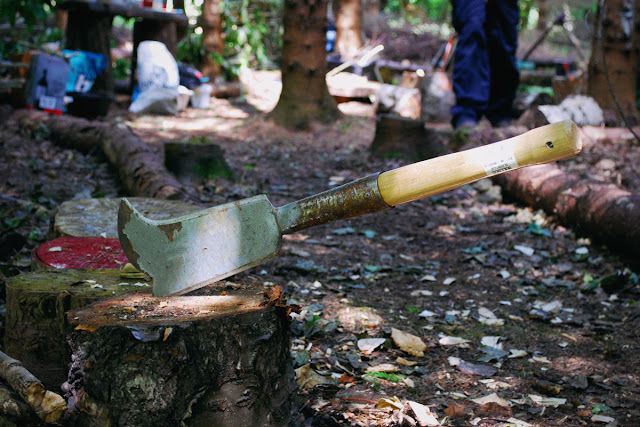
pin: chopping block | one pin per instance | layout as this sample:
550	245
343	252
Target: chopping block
217	358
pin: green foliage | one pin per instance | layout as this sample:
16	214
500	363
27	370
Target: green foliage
416	11
252	34
122	68
31	11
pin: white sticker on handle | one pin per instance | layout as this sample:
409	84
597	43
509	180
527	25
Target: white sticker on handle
498	158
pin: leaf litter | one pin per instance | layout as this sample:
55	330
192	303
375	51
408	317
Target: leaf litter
525	263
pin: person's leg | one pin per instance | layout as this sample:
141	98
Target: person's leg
502	40
471	61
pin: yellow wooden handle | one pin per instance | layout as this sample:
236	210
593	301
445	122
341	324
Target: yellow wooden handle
541	145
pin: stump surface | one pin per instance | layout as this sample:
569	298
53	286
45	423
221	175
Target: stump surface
98	217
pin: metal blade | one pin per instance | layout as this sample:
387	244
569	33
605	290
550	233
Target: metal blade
186	253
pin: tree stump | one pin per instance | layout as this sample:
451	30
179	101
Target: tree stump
217	359
407	138
99	217
36	323
194	164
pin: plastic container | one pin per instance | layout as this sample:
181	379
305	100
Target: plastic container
184	95
202	96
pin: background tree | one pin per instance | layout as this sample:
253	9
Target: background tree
348	27
613	67
212	41
305	96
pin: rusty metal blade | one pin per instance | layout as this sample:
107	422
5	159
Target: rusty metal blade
185	253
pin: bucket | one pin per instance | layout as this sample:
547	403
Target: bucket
202	96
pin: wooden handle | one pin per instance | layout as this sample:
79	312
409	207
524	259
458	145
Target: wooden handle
541	145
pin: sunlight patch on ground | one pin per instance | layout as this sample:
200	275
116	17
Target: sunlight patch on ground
262	88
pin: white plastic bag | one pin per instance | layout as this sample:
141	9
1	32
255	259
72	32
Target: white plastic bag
156	66
158	80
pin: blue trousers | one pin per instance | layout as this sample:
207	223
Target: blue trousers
485	74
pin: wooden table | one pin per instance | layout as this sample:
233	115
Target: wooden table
89	29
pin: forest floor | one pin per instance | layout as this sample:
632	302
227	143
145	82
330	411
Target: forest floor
524	320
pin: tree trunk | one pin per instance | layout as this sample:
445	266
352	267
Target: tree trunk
304	97
140	166
348	28
609	214
542	15
216	359
212	41
614	60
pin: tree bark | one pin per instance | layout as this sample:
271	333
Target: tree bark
140	167
613	67
609	214
36	323
212	40
348	28
217	359
304	97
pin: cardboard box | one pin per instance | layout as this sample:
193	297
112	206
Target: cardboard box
47	82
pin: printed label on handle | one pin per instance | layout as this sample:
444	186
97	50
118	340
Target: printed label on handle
498	158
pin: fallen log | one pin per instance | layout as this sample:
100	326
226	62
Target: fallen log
605	212
140	167
49	406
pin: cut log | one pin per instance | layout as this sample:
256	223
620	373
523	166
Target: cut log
407	138
605	212
217	359
36	324
436	97
401	101
99	217
49	406
140	166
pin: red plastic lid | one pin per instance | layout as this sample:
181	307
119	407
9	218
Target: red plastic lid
95	253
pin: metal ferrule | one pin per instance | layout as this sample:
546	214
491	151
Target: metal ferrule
346	201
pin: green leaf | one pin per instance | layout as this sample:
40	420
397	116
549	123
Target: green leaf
369	234
473	250
395	378
599	408
343	231
413	309
537	230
